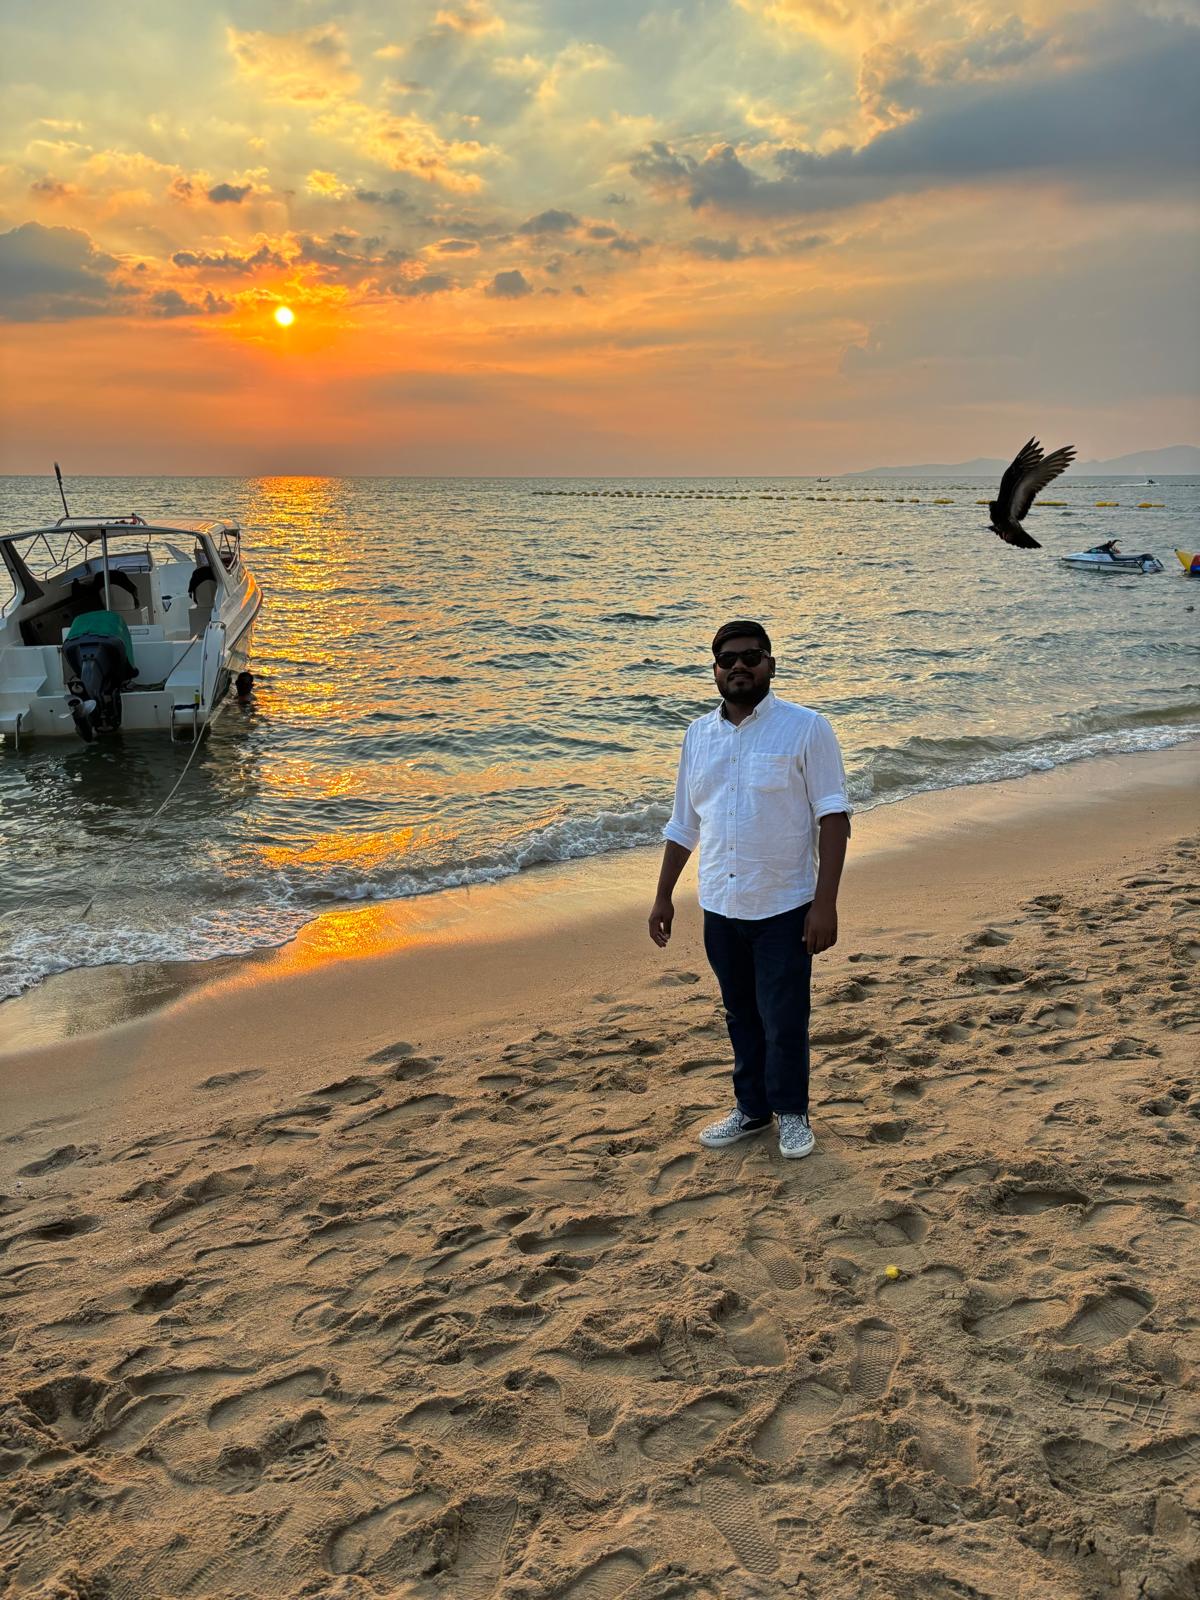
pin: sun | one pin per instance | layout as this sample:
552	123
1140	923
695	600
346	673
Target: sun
284	316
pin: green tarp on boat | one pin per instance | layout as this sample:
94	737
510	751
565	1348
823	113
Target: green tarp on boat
102	624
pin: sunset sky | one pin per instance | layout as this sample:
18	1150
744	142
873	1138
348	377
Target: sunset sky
730	236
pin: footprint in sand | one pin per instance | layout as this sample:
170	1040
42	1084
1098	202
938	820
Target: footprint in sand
675	1170
1032	1199
1019	1316
360	1545
678	1354
947	1441
265	1398
485	1527
201	1192
906	1226
71	1407
755	1337
420	1109
223	1080
951	1032
1109	1316
998	1428
609	1579
802	1411
777	1261
989	939
580	1235
681	1436
349	1091
137	1420
64	1156
1119	1404
728	1503
876	1351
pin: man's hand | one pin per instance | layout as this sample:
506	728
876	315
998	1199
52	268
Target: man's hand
820	927
662	914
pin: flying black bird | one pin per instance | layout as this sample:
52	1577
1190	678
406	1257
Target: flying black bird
1029	473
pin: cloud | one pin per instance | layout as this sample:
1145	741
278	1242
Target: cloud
733	249
53	274
346	256
229	194
724	249
170	303
549	222
326	185
52	189
307	67
230	261
456	247
512	285
472	18
403	144
395	199
1130	120
430	283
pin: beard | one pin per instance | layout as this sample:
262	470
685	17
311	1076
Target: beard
745	692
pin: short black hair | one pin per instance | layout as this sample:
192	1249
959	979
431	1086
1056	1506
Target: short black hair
741	630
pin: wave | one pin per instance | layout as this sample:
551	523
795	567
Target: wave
271	909
886	774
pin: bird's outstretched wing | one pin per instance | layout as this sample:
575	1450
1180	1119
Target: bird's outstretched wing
1027	459
1037	475
1013	533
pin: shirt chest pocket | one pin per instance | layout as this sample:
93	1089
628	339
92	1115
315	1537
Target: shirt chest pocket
766	774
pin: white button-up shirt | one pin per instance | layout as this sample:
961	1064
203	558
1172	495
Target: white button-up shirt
751	795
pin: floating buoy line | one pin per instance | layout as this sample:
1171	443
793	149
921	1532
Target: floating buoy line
819	499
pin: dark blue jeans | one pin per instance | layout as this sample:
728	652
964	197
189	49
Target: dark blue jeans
764	972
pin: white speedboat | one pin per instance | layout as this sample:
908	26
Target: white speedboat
118	622
1107	557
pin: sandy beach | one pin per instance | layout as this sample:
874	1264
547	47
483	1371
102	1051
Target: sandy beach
389	1265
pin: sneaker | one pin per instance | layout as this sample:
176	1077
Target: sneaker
795	1136
737	1125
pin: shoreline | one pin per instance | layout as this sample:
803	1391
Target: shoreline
515	947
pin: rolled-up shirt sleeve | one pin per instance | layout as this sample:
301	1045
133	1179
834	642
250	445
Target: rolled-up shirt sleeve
824	774
684	825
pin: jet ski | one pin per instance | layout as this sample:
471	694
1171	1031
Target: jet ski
1107	557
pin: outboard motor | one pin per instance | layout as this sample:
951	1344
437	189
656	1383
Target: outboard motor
98	663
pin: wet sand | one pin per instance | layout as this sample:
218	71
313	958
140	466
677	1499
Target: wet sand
389	1265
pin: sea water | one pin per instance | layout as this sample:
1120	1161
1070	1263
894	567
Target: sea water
458	679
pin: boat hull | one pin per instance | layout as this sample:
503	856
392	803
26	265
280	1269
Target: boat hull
1137	565
164	710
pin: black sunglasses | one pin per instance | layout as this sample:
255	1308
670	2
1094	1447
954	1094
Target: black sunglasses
730	658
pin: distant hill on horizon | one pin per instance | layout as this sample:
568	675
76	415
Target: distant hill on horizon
1177	459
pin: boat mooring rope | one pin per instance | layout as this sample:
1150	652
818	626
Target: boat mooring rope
196	742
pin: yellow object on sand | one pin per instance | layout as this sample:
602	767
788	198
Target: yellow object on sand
891	1271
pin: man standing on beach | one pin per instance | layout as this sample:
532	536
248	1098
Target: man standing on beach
762	790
